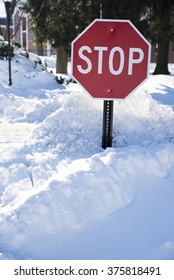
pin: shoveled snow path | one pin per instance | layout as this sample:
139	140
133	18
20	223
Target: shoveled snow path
15	134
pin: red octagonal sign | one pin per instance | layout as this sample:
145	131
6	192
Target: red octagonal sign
110	59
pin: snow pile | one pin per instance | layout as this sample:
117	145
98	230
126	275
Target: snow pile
28	100
139	120
61	195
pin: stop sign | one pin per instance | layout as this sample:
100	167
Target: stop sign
110	58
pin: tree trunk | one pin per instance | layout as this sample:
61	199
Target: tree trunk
62	60
162	59
163	18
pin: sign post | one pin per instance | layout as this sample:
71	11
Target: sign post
110	59
107	123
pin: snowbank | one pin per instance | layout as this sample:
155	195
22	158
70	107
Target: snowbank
61	195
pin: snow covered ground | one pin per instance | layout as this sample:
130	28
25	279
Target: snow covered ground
61	195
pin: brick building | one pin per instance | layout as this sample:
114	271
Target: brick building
21	33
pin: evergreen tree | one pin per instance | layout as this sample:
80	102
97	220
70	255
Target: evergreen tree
154	18
60	21
161	27
39	10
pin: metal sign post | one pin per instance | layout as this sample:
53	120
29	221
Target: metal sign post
107	123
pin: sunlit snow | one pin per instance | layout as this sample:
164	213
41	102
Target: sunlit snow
61	195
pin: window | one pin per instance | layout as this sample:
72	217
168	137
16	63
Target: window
24	25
